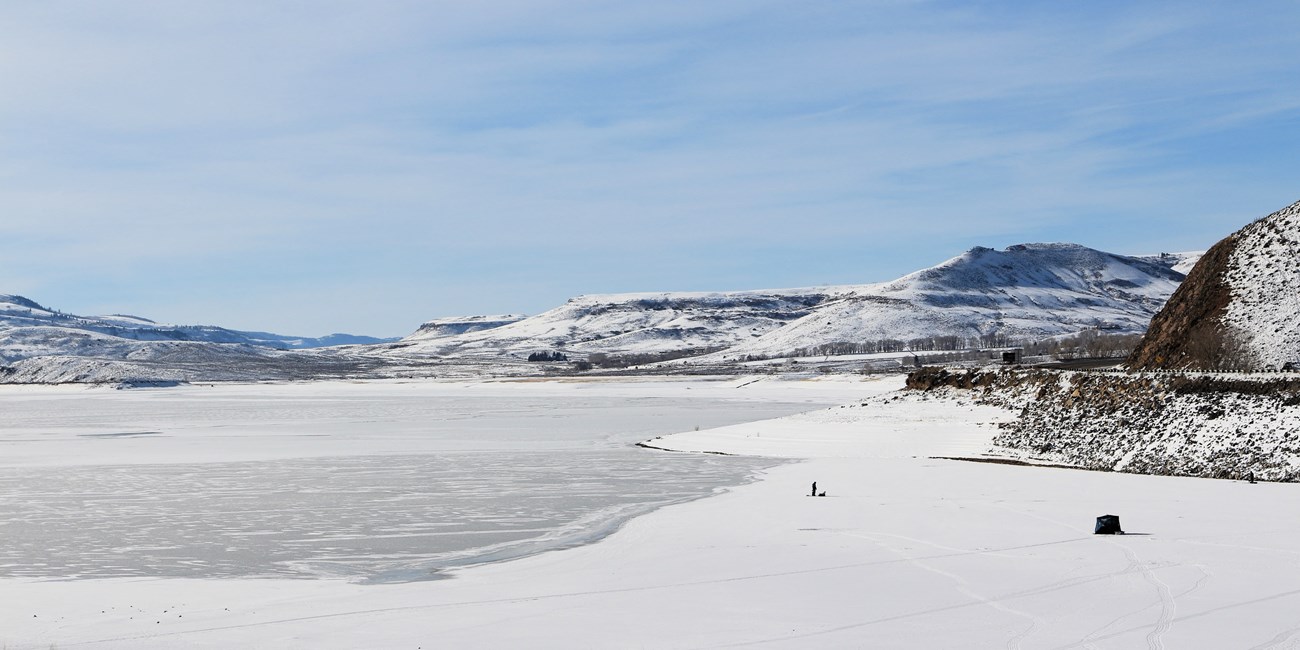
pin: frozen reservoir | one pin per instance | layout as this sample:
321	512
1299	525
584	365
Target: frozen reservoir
376	482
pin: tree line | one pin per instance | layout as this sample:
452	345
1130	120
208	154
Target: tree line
1091	343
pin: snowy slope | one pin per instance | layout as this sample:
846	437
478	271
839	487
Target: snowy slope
632	323
444	327
1025	292
288	342
29	329
1186	261
1263	276
1028	291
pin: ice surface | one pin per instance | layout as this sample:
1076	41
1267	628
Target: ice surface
385	482
376	517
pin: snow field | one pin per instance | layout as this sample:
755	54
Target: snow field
906	551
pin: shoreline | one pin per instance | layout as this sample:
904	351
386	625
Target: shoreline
574	535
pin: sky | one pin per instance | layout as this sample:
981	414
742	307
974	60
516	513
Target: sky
327	166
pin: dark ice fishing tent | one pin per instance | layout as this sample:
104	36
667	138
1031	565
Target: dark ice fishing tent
1108	525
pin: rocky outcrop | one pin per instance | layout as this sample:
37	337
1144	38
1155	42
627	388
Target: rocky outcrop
932	377
1167	423
1188	331
1164	424
1239	307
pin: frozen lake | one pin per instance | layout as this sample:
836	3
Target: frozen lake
378	481
907	551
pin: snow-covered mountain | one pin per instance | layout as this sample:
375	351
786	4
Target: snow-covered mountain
636	323
29	329
1187	261
1240	306
1028	291
287	342
980	298
440	328
989	297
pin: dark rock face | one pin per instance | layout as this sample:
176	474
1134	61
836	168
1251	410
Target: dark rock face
932	377
1187	332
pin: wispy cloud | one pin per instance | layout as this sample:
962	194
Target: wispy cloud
499	156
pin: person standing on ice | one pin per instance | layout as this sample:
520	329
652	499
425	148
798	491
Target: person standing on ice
814	492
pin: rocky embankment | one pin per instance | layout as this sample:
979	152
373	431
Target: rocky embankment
1205	425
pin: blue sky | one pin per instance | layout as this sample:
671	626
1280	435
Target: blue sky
312	167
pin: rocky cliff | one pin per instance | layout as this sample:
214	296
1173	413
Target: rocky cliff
1239	307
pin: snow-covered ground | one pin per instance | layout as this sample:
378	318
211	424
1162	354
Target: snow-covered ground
906	551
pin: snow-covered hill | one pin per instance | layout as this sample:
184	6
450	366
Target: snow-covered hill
1029	291
287	342
43	345
990	297
1240	306
444	327
1187	261
637	323
29	329
983	297
1264	277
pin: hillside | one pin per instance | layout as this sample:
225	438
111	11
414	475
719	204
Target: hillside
440	328
29	329
638	323
1240	305
983	297
987	297
43	345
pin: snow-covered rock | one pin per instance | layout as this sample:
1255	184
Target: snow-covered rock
1264	276
1188	424
1240	305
